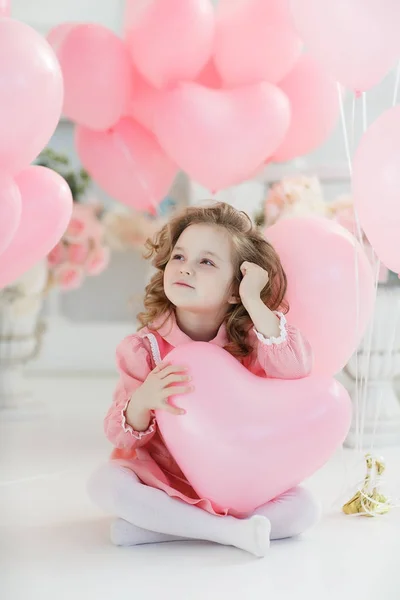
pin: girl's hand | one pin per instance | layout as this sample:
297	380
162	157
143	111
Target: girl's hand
153	394
254	280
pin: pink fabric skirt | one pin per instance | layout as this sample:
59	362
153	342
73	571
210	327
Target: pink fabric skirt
163	473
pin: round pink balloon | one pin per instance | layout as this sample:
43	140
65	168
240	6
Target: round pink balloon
219	137
357	41
376	185
128	163
10	210
97	73
275	433
315	108
209	76
46	211
31	94
170	41
5	8
319	257
255	41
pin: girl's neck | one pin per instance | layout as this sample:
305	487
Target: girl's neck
198	326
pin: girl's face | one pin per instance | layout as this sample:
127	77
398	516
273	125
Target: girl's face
199	275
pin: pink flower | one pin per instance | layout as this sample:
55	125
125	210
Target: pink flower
77	253
77	230
98	260
57	255
68	276
80	225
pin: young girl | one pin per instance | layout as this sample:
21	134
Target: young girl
218	280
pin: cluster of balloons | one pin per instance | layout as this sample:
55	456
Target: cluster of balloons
331	286
35	202
214	92
357	42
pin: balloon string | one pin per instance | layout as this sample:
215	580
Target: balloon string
396	85
344	128
356	265
364	111
367	363
353	120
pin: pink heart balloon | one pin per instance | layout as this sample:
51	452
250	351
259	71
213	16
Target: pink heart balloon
10	210
171	40
331	289
245	440
220	137
127	162
46	211
255	41
313	97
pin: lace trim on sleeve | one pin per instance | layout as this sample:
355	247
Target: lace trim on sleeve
128	429
272	341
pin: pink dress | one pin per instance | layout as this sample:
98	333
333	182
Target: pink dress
287	357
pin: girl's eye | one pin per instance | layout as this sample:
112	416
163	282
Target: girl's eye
177	257
207	262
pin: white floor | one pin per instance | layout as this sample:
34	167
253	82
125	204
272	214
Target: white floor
54	544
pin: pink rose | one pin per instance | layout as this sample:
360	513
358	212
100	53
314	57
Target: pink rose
98	260
57	255
77	253
77	230
69	276
80	225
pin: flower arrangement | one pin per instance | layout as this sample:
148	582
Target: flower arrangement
81	252
302	196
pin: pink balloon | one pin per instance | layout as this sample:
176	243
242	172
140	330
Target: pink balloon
5	8
219	137
210	77
97	72
57	35
128	163
319	257
275	433
376	185
46	211
31	94
10	210
357	41
256	41
170	41
143	104
315	108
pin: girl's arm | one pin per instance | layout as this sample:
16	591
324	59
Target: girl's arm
287	355
134	365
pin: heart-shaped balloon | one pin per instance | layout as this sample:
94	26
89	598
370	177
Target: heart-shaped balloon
46	212
244	440
127	162
220	137
169	41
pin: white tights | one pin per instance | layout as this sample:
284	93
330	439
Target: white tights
148	515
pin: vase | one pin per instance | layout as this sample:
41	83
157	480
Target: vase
375	366
21	331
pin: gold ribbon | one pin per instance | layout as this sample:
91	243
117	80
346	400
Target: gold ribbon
368	501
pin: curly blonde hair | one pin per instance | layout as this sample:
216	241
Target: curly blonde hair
249	245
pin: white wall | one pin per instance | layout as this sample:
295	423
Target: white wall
45	14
